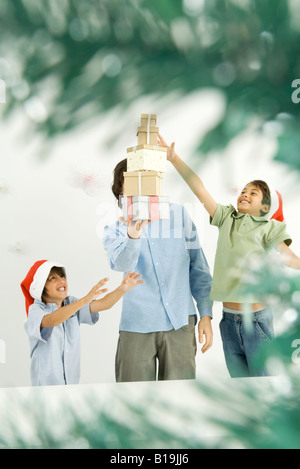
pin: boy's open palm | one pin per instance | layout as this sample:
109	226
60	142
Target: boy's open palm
96	290
130	280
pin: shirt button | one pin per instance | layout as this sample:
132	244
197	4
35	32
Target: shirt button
167	304
238	317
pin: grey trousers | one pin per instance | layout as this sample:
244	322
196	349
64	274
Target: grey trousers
157	355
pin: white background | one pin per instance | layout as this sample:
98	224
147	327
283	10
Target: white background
45	213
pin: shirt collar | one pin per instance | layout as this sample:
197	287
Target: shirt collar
236	214
51	306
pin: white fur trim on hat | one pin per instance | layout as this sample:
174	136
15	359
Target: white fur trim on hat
40	278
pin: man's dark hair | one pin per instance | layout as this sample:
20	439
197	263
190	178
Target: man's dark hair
117	185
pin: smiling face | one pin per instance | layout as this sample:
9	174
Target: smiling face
56	287
251	201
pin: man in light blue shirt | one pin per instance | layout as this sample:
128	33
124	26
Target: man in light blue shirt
158	319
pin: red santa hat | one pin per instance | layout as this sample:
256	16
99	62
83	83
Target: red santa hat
34	282
276	208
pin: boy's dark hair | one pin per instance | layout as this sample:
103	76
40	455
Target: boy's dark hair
117	185
55	270
263	186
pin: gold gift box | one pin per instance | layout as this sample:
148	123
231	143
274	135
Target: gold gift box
143	183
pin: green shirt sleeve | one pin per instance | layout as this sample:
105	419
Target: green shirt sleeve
277	234
222	212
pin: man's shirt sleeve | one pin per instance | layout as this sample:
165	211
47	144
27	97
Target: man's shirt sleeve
123	252
200	277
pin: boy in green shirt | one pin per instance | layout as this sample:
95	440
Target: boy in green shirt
244	234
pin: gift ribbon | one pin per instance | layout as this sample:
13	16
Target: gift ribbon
140	183
148	128
129	207
154	207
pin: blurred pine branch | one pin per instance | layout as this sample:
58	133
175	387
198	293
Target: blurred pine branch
241	413
68	61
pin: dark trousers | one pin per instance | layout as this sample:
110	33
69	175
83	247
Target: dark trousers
157	355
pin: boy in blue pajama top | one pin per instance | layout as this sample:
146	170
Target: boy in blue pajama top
54	319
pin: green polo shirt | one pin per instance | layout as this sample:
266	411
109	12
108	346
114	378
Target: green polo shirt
242	239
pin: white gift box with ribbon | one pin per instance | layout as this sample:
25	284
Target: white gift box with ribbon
145	208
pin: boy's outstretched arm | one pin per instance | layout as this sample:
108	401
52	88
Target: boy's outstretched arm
130	280
65	312
190	177
289	257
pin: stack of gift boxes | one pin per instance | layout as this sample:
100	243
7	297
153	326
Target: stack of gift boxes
143	196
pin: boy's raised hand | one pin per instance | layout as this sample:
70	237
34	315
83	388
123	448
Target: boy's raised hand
171	148
96	290
130	280
190	177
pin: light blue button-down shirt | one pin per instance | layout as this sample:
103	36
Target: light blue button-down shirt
173	266
55	351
